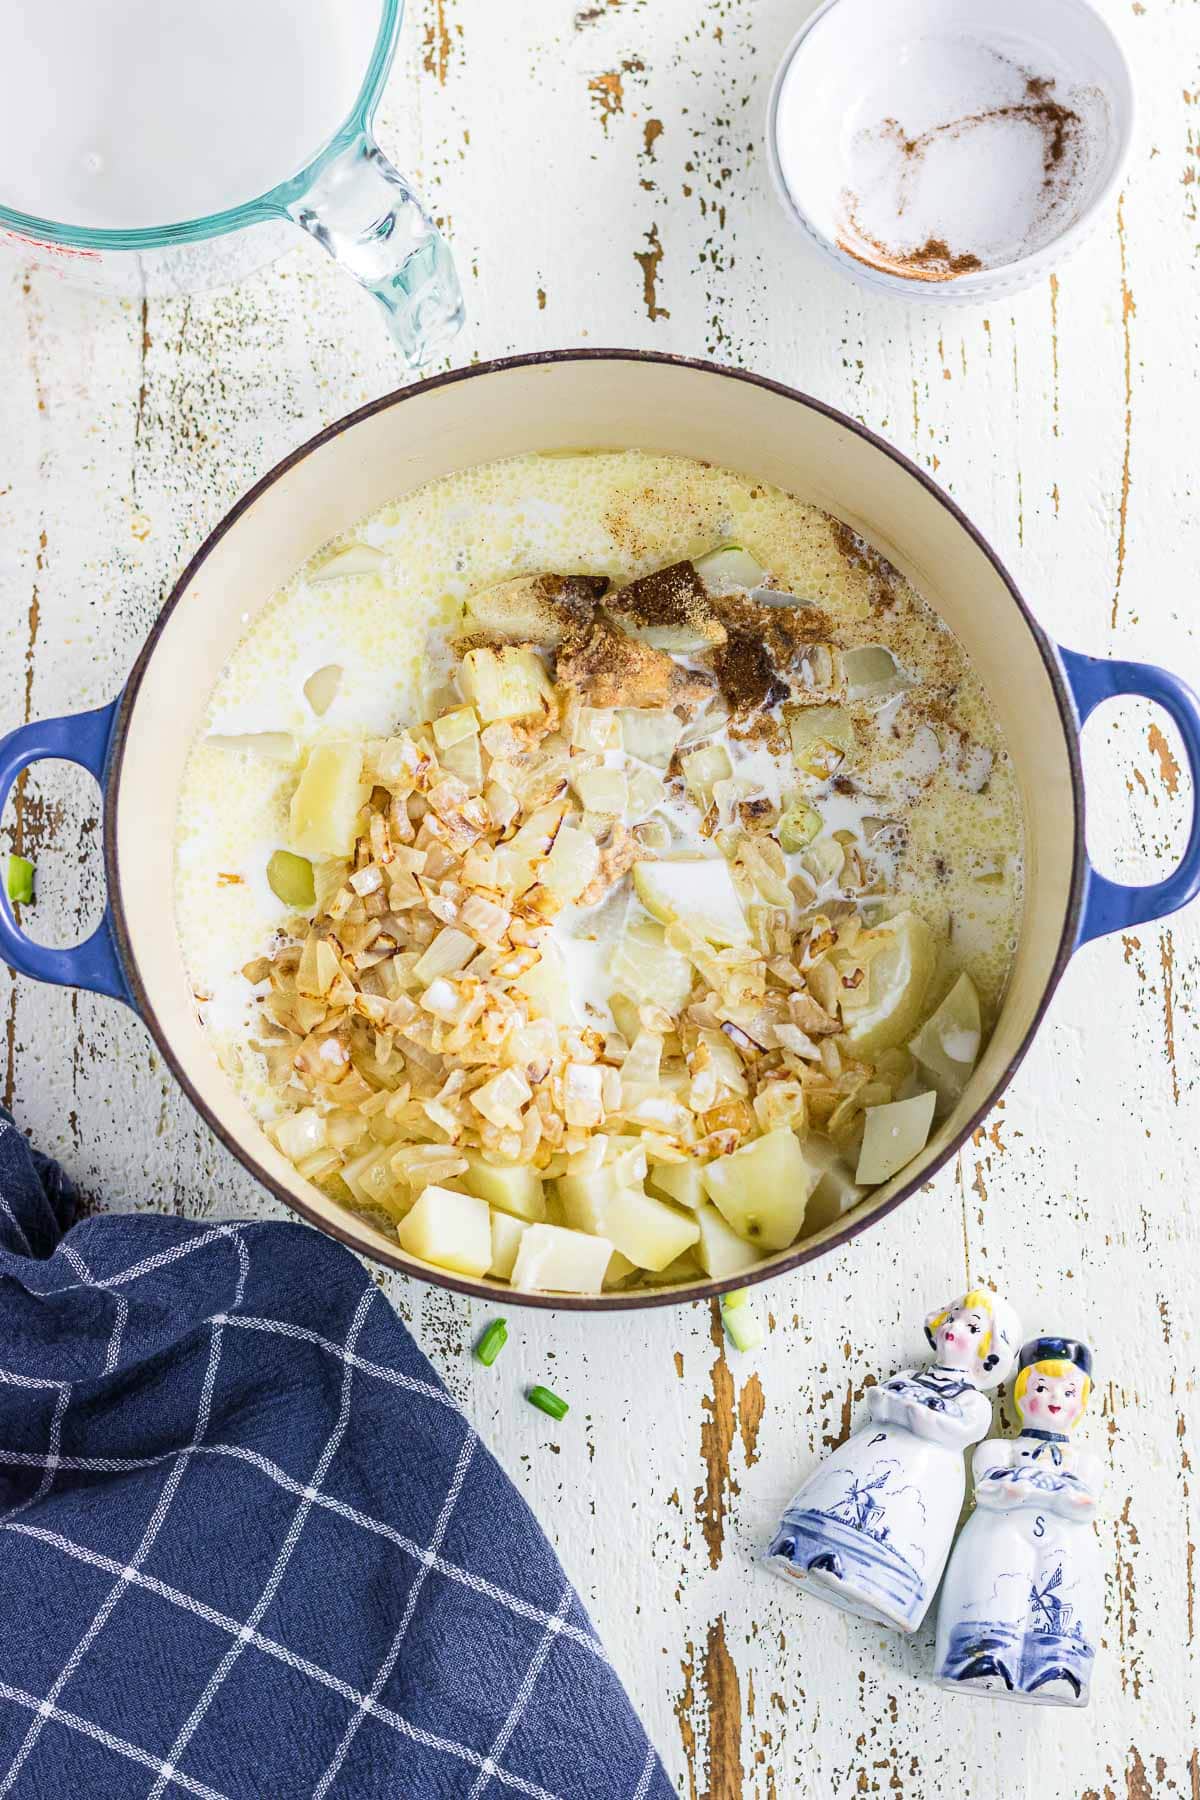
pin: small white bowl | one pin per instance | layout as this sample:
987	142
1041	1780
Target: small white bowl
950	150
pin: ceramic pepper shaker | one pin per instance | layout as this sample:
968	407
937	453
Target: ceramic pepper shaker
1020	1609
870	1529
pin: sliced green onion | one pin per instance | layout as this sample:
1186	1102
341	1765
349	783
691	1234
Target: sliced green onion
741	1321
290	879
491	1343
547	1402
20	880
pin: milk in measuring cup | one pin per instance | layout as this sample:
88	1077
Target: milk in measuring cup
137	113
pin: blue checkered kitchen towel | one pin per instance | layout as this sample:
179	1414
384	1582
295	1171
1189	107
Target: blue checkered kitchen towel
249	1546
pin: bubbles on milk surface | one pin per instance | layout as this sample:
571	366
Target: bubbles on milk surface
620	514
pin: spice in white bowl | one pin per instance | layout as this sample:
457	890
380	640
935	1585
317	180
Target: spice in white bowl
949	151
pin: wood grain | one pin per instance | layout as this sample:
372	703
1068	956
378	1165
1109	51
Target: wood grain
600	169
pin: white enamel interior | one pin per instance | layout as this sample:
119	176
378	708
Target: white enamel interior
604	403
923	63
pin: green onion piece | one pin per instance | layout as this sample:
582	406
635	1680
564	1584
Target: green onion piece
798	826
20	880
491	1343
742	1322
290	879
547	1402
731	1302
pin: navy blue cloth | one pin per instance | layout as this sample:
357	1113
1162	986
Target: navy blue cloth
249	1546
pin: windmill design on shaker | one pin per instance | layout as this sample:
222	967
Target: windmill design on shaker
860	1506
1049	1612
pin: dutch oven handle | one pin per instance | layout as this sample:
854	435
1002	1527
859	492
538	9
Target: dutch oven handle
82	738
1109	905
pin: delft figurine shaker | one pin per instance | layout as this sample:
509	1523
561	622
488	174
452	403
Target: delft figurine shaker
1020	1610
871	1528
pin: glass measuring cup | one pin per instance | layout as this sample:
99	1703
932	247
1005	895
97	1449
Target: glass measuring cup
278	97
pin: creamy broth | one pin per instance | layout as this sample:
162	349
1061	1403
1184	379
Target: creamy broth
929	759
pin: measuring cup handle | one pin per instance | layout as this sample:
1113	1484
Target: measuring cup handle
364	213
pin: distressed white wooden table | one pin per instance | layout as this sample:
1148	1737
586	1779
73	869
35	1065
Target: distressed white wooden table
599	168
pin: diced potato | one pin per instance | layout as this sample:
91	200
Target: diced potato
595	729
681	1269
619	1269
586	1197
533	609
728	568
644	967
508	683
567	1262
454	1231
682	1182
894	1135
836	1192
720	1251
602	790
871	673
646	793
650	736
507	1233
897	958
947	1045
513	1188
703	768
699	891
762	1189
290	879
328	799
647	1231
822	738
354	561
571	865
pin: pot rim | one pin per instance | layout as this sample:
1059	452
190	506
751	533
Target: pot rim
646	1297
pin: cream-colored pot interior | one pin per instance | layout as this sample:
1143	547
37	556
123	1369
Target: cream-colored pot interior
598	401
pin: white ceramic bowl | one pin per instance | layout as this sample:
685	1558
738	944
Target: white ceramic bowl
949	150
607	400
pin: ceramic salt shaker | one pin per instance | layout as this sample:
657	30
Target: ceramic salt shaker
1020	1610
871	1528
